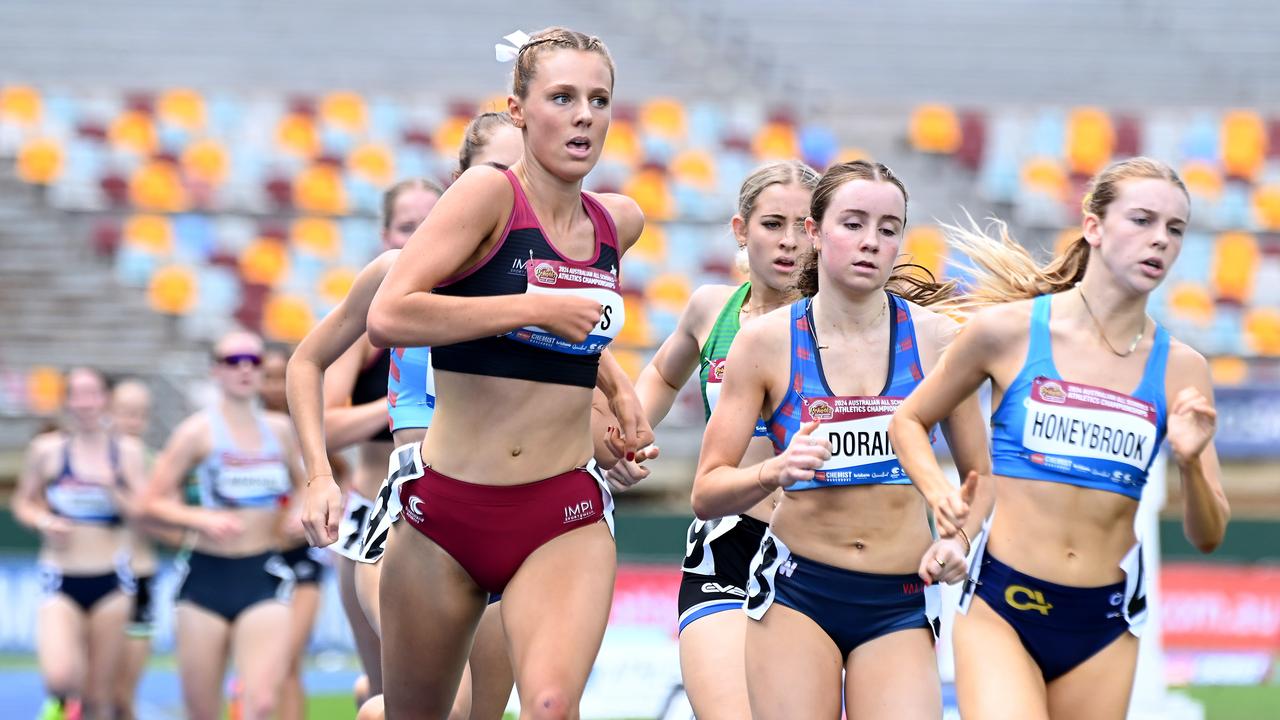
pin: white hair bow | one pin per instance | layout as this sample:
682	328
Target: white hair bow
508	53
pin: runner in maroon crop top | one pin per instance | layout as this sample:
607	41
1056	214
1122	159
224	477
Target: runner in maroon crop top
524	269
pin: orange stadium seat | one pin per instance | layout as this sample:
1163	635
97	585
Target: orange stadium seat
40	161
1266	206
287	318
1202	179
1191	302
1090	140
636	331
696	168
934	129
849	154
1262	330
152	234
172	290
182	107
623	145
373	163
334	285
1235	259
296	135
134	131
157	186
652	244
319	189
664	117
776	141
669	291
1065	239
1243	144
319	237
206	161
1228	370
649	189
20	105
264	262
46	388
926	246
449	135
1046	176
345	110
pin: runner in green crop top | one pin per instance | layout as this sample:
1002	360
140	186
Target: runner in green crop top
769	227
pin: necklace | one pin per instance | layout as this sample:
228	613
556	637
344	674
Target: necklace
1133	346
814	331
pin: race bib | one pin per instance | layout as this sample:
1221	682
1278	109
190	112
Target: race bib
858	430
82	501
1089	431
252	480
553	277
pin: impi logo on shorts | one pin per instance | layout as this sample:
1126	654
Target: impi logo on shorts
1034	599
580	511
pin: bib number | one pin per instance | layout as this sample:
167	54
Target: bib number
858	430
553	277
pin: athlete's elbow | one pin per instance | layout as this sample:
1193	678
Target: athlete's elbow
381	327
1208	545
702	505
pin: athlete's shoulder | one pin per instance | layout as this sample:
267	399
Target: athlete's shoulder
627	216
1185	361
996	326
47	442
706	302
931	325
771	330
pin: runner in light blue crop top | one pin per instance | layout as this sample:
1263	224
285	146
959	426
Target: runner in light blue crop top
230	477
858	427
411	389
1048	428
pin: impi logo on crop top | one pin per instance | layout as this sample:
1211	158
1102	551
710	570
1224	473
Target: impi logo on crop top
1070	420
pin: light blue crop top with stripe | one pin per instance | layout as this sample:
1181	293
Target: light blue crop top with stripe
411	388
230	477
858	427
1047	428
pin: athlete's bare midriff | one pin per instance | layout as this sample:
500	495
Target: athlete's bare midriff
259	534
868	528
371	468
1062	533
501	431
89	549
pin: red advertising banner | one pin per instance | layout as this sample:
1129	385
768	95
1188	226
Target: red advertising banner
1220	607
645	595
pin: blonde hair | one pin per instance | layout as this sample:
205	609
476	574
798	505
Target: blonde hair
557	38
907	280
779	172
1002	270
478	134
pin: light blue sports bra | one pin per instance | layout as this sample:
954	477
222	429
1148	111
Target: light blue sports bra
1048	428
230	477
411	388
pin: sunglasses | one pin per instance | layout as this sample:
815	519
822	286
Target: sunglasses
241	358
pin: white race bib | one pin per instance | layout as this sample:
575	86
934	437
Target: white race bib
245	480
858	430
1068	421
81	501
553	277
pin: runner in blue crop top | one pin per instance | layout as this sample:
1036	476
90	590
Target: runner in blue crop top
839	597
1085	387
77	488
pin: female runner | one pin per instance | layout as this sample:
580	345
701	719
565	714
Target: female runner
1084	388
840	579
